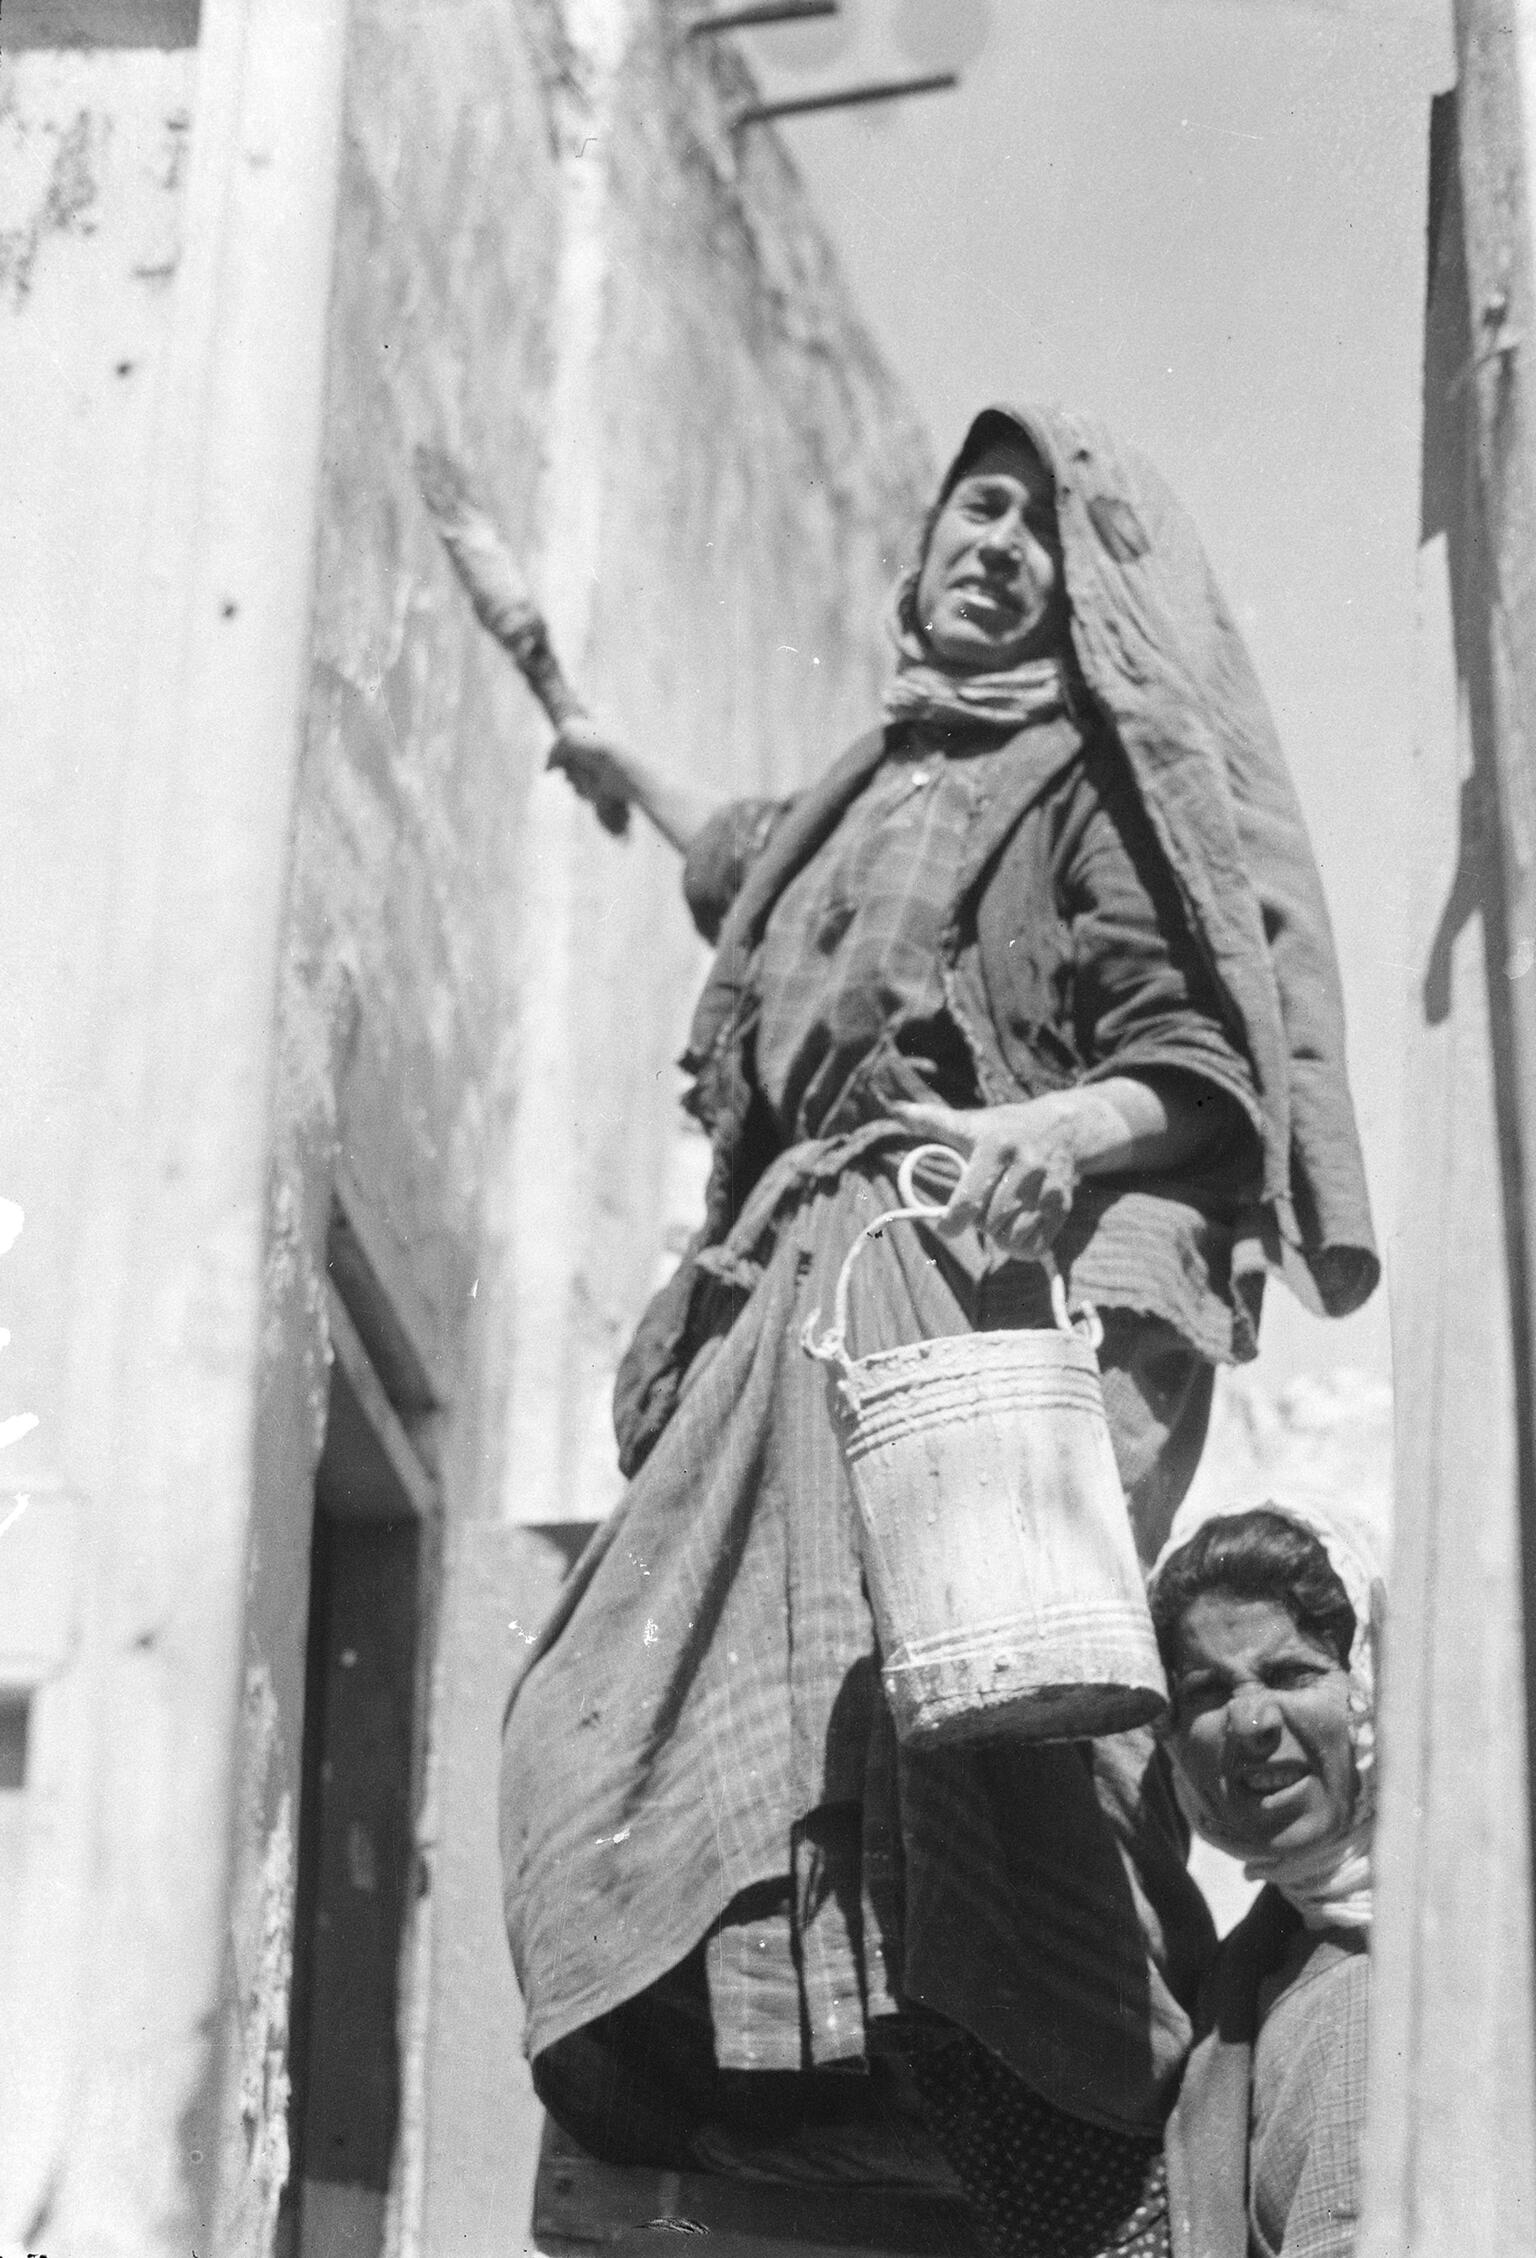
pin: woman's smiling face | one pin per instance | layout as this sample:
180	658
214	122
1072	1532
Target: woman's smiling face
1261	1724
991	590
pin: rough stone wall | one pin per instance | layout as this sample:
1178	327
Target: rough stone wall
751	475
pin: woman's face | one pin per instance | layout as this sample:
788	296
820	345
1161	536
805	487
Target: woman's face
991	591
1261	1724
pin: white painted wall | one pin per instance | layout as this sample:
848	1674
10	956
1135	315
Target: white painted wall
283	874
166	261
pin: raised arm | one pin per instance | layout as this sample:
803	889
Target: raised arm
606	773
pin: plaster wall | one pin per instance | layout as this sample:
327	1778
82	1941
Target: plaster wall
92	157
160	205
395	980
290	903
761	478
551	255
1450	2161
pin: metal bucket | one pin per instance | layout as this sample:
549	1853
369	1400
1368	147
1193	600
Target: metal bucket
998	1552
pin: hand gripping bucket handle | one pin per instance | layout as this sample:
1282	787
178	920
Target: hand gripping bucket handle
832	1348
998	1556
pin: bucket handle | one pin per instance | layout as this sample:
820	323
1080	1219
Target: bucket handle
832	1348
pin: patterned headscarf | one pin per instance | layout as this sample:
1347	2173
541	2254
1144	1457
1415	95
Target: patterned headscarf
924	688
1329	1883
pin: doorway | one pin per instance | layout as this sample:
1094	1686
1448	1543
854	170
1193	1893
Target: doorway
373	1584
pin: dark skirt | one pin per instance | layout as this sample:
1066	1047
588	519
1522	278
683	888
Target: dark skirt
702	1790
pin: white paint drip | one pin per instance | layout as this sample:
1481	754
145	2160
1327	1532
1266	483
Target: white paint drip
544	1160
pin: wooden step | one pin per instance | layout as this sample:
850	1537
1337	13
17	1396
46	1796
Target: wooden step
636	2211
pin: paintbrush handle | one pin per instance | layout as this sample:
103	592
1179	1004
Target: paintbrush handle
526	636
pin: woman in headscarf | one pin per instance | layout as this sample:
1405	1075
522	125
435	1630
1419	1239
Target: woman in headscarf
1059	911
1269	1623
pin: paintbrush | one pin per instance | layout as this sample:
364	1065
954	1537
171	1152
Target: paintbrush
504	603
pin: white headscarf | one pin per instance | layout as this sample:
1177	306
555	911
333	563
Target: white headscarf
1329	1883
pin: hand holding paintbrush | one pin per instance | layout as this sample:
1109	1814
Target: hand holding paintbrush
611	779
504	605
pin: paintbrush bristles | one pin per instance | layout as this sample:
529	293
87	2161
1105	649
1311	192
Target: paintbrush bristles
501	596
443	483
503	601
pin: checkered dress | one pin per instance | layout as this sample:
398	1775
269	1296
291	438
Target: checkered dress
1264	2144
700	1769
1309	2102
701	1749
852	958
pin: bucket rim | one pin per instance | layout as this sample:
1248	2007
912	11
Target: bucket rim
1037	1346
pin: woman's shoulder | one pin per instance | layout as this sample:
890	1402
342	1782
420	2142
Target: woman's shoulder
739	833
1270	1952
1308	2107
1320	1982
1309	2062
721	853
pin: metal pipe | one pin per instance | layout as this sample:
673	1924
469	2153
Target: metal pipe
884	90
779	12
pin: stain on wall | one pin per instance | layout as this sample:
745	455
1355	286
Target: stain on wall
69	156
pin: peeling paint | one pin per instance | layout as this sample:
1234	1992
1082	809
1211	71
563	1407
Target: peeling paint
264	2085
68	197
261	1937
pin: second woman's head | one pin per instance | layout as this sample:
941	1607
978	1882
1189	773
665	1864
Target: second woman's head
991	591
1256	1632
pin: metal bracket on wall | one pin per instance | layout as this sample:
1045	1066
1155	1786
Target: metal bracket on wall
845	98
769	12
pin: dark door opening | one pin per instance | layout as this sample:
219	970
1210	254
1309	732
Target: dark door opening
373	1579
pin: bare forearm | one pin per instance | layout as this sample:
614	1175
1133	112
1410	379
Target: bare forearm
1023	1162
611	776
1127	1123
678	811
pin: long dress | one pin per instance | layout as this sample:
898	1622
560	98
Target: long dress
719	1865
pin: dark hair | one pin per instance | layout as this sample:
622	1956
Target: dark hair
1257	1555
994	427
